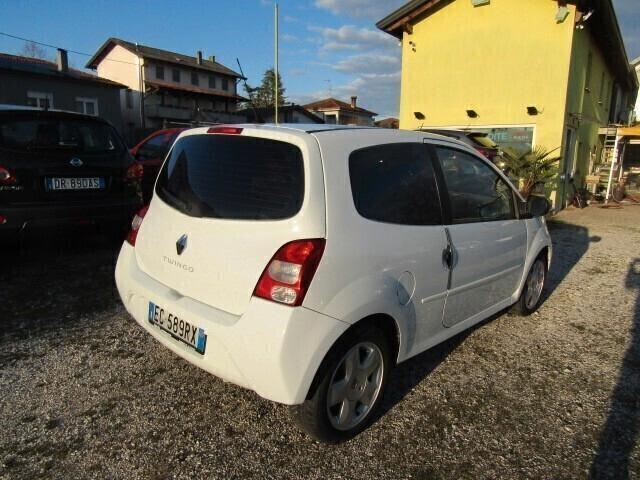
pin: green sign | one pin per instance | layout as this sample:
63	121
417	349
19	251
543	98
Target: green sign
518	139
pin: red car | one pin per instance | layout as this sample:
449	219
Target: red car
150	153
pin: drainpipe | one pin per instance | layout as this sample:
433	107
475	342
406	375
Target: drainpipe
140	65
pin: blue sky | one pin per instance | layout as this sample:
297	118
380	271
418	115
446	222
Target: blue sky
328	47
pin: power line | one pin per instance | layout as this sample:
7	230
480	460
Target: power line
60	48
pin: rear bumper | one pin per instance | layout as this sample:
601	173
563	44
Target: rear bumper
271	349
46	215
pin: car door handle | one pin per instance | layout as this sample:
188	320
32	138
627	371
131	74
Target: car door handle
447	256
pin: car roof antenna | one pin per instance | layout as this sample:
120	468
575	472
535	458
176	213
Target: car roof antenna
249	93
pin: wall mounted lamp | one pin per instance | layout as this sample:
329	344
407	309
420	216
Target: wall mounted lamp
472	114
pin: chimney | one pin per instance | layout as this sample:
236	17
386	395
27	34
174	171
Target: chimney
354	99
62	60
199	57
212	58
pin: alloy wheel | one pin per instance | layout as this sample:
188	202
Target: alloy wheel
355	386
535	283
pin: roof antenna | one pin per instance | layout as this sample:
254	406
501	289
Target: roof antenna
249	93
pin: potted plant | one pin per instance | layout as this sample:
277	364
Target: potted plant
531	168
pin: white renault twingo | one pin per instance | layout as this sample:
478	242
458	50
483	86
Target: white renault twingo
304	262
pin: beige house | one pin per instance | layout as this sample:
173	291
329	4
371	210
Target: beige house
167	88
336	112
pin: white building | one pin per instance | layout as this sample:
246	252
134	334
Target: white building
177	89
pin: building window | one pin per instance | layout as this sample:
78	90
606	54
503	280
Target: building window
175	75
88	106
601	88
159	72
128	98
212	81
194	78
40	99
587	82
225	84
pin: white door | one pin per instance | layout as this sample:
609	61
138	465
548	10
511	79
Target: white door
488	241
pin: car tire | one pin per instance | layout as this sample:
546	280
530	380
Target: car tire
348	389
531	295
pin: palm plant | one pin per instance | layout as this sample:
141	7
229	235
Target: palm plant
538	165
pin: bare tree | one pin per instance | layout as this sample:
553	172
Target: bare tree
33	50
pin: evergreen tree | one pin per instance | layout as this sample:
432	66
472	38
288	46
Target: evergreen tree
264	95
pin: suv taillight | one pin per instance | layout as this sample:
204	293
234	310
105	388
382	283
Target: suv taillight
6	177
135	171
135	225
289	273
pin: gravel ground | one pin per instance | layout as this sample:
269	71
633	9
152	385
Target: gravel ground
85	393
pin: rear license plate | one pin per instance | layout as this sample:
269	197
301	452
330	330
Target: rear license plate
67	183
178	328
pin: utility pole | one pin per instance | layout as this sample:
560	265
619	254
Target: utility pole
276	60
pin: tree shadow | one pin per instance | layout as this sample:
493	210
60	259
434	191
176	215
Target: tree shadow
620	432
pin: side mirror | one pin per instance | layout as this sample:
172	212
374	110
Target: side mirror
538	206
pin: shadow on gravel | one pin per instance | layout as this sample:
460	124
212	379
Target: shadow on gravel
570	243
620	432
53	278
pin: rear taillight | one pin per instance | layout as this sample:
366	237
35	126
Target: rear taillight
289	273
226	130
135	225
135	171
6	177
3	219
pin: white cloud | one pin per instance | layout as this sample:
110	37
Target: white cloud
289	38
368	63
370	9
377	92
349	37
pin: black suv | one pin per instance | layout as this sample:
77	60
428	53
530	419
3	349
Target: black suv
63	168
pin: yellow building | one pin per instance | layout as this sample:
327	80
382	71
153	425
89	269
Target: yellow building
528	72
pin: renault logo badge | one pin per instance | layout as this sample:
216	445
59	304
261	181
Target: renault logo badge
75	162
181	244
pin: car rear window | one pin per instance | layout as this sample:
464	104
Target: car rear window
76	135
233	177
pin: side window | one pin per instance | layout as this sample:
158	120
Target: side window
154	147
476	191
395	183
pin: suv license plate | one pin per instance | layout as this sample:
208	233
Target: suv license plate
178	328
67	183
